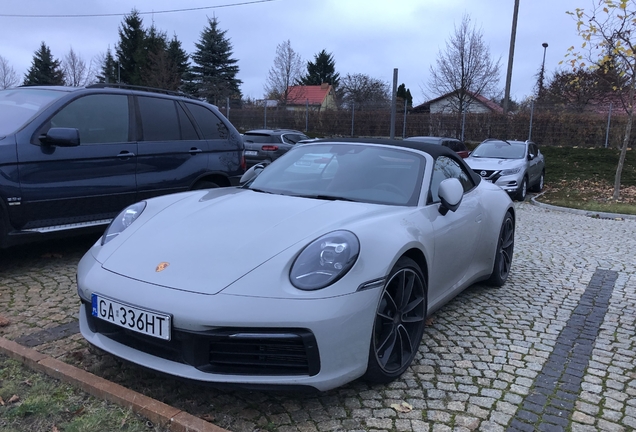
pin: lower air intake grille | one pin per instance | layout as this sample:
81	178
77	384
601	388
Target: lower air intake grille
265	353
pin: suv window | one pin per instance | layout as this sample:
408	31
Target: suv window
446	168
293	138
159	121
100	118
211	126
260	138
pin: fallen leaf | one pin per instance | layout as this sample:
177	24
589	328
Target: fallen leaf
208	417
27	382
429	321
402	407
78	411
4	321
1	401
13	399
55	429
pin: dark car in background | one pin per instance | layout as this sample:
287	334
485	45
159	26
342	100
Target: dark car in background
267	145
71	158
515	166
452	143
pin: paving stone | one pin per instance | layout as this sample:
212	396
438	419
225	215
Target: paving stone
485	358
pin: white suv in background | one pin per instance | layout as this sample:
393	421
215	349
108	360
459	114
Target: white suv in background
515	166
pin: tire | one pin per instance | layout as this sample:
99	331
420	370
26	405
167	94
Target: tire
505	250
204	184
523	190
539	186
399	323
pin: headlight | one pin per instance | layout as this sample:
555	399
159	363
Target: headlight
123	221
325	260
510	171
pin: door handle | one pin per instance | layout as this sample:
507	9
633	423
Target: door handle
195	150
125	154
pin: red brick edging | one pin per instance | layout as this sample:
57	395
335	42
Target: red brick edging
157	412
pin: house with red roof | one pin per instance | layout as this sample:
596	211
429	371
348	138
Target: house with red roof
316	97
447	104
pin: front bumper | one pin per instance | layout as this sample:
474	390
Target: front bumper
328	338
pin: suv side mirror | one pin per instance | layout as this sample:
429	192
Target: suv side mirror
62	137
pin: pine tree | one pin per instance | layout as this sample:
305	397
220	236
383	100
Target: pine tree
213	74
130	50
109	72
178	59
45	70
321	70
405	94
156	71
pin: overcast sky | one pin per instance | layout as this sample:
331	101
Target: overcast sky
365	36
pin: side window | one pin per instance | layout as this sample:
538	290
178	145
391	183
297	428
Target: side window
188	132
211	126
100	118
534	149
446	168
159	120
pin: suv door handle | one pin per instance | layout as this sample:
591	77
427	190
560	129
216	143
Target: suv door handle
195	150
125	154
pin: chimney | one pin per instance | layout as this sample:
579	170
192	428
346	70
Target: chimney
324	86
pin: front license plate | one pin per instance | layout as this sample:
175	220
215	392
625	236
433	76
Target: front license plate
144	321
250	153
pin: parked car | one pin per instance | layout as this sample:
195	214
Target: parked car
267	145
308	275
515	166
452	143
72	158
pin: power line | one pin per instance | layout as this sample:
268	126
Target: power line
140	13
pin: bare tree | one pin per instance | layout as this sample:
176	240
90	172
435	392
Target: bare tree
608	30
465	68
8	76
287	69
76	72
364	92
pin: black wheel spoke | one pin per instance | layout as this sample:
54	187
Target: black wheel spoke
399	320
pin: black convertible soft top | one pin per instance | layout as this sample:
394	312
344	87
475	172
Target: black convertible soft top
433	149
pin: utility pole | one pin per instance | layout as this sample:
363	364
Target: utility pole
393	103
511	56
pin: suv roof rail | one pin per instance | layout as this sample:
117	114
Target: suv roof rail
142	88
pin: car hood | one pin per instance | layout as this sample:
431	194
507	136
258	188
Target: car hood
492	163
209	241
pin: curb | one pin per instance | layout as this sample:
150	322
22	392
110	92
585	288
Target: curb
588	213
157	412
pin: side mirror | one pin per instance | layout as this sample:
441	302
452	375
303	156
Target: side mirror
252	173
62	137
450	194
530	156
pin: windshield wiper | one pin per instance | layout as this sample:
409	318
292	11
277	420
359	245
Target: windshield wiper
261	191
327	197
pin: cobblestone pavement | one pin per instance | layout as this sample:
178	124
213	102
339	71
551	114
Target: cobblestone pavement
554	349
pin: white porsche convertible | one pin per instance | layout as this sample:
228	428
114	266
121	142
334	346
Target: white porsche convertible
319	270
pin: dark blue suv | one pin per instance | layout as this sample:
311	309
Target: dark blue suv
72	158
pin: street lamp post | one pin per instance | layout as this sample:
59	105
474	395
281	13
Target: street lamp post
545	46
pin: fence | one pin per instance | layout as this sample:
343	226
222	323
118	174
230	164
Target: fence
549	128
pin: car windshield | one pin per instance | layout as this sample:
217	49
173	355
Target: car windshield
500	150
345	171
19	105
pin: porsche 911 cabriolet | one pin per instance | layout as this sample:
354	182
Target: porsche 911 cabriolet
320	269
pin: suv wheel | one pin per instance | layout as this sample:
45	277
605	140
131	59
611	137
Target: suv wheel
539	186
523	190
204	184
